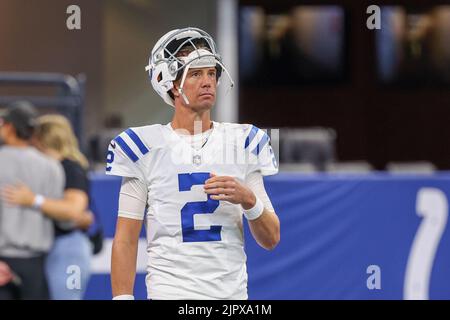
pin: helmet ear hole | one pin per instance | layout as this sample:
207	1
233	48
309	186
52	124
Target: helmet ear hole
173	67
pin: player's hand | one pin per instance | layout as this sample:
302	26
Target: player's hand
19	194
231	190
5	274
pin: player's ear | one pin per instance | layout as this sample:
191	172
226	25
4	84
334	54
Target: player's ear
174	90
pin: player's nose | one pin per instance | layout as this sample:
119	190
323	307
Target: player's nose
206	81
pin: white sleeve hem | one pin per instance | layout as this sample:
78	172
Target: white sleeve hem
130	215
124	175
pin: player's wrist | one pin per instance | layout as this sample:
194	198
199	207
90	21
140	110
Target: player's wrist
249	201
256	211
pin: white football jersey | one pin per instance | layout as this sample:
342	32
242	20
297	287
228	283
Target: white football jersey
195	244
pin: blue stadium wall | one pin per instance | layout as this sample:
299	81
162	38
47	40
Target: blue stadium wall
374	236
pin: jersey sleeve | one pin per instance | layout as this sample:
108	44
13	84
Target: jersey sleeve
124	155
259	152
132	199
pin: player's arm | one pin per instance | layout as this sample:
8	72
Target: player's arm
124	255
265	226
263	221
132	202
266	229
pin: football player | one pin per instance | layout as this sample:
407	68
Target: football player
192	181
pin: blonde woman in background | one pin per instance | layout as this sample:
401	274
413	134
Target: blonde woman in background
67	264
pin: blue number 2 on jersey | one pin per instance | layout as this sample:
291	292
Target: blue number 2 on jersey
109	160
185	183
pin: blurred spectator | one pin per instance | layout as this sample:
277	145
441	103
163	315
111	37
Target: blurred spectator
25	234
71	252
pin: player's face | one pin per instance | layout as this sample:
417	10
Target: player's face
200	88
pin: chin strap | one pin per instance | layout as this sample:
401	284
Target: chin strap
180	89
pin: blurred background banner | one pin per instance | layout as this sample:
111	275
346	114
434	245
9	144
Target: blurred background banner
297	65
343	237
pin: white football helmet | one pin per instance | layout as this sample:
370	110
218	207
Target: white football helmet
165	66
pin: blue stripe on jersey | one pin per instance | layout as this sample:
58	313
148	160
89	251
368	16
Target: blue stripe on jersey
137	141
261	144
126	149
250	136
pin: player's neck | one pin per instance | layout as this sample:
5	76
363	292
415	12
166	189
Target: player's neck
192	122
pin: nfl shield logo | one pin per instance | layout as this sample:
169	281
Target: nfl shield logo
197	160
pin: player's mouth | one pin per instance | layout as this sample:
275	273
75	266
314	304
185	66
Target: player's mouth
207	94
